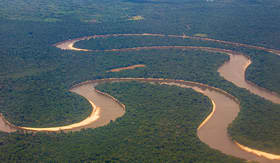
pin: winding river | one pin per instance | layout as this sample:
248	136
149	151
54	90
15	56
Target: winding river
212	131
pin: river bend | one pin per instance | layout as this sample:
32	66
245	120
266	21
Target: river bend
212	131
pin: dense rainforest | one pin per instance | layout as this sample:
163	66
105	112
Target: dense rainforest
35	76
159	126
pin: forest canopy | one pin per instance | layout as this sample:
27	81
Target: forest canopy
35	77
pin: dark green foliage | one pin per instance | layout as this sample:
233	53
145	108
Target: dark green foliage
262	119
35	77
46	92
266	66
159	126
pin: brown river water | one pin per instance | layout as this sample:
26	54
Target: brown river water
5	126
234	71
109	109
213	130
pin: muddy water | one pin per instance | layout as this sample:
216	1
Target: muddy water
109	109
214	131
127	68
4	127
104	110
234	71
69	45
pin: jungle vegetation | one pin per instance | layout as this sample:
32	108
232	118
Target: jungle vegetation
159	126
35	76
